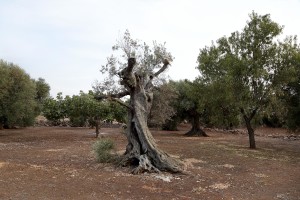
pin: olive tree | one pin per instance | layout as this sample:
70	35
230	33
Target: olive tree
42	93
136	67
202	103
84	108
55	109
247	64
190	105
17	96
287	82
161	109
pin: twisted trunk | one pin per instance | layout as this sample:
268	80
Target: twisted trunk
196	130
142	151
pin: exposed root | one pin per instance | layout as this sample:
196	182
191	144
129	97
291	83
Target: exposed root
145	165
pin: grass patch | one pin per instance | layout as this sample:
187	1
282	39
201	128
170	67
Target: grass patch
103	150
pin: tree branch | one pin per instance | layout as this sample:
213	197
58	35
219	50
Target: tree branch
131	63
121	103
118	95
253	113
164	67
244	114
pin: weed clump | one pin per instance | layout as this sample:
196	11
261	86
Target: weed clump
102	149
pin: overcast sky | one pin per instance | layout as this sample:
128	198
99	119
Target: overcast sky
66	41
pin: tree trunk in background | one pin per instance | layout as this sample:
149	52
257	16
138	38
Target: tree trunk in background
249	127
97	126
251	134
196	130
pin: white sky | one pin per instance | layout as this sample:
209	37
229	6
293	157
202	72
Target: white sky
66	41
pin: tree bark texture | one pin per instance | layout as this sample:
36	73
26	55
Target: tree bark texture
142	151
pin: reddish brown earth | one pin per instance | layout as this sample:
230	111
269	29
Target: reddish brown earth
58	163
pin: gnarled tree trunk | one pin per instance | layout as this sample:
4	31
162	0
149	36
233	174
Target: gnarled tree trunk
196	130
142	151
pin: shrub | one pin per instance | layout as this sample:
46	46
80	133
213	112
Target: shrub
102	149
17	96
79	121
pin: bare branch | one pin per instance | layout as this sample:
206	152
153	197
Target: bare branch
164	67
121	103
118	95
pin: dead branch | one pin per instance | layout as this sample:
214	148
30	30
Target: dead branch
164	67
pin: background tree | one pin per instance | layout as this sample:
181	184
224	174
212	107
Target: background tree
138	67
42	93
178	105
42	89
55	110
161	109
190	105
287	82
17	96
220	111
204	103
246	63
117	112
292	99
84	109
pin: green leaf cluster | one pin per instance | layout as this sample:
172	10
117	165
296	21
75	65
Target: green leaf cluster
253	70
82	109
55	110
18	105
250	67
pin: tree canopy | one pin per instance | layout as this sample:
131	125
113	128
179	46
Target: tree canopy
19	95
247	64
137	69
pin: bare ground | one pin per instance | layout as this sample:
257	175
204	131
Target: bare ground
58	163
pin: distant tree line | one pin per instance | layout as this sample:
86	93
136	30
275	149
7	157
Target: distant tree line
82	110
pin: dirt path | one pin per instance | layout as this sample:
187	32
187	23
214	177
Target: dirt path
58	163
